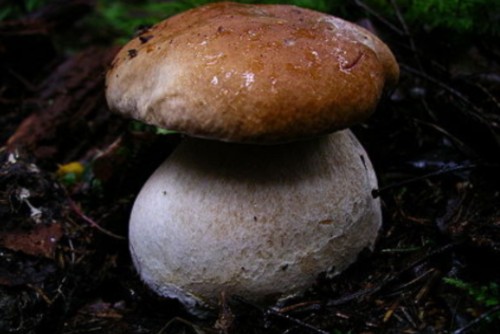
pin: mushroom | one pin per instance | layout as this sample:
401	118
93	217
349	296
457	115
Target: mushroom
269	189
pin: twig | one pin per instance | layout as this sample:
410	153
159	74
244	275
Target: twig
225	321
296	322
179	320
408	317
487	93
41	293
379	17
415	280
424	291
28	85
376	193
271	312
390	312
294	307
352	296
407	34
477	114
459	144
91	222
390	280
474	322
442	85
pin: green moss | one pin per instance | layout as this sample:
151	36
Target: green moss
486	295
462	16
124	17
13	9
120	19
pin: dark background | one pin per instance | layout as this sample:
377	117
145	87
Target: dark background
70	171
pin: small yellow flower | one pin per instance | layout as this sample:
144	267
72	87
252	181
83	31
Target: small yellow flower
75	168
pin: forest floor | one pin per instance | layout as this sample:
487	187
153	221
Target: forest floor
70	170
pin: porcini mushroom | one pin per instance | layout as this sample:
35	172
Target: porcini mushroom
282	191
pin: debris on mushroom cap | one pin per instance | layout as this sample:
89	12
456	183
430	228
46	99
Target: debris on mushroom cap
255	221
251	73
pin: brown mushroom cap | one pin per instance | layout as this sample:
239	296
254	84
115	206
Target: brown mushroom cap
251	73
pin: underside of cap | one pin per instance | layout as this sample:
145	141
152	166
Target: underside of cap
251	73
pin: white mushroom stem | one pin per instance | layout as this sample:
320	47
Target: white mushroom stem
256	221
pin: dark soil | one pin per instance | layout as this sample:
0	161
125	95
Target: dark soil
70	171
